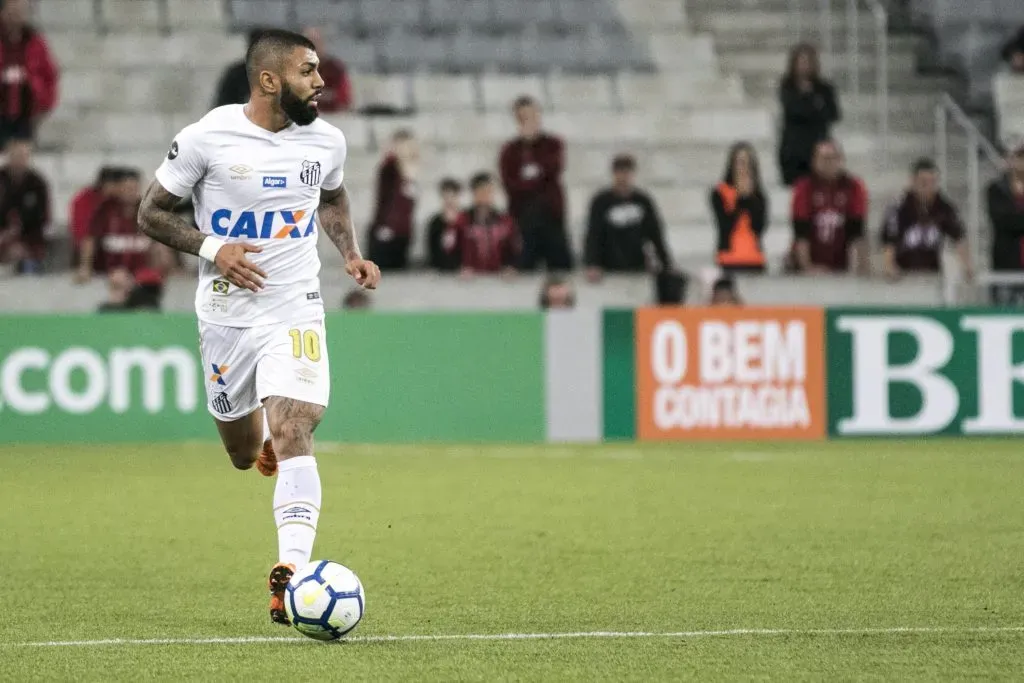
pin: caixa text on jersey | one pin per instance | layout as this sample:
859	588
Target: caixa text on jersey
264	225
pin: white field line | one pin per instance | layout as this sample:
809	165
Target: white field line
909	630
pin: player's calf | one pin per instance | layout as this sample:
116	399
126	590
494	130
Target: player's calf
243	439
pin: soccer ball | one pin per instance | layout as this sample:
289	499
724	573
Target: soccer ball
324	600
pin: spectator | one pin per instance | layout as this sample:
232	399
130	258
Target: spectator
84	205
337	94
829	209
29	87
1006	212
233	87
443	229
141	291
357	299
24	209
488	238
916	224
556	294
624	231
724	293
391	230
809	108
741	212
1013	53
114	240
531	168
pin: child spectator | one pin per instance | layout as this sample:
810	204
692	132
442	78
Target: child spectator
443	229
488	237
24	210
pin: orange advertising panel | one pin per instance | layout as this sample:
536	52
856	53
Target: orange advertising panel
730	373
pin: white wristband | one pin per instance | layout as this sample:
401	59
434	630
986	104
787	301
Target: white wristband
211	245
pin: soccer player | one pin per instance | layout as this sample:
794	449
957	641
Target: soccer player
260	174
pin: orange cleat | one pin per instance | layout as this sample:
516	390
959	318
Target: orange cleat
267	462
280	575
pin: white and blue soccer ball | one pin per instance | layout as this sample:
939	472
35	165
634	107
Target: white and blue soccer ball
324	600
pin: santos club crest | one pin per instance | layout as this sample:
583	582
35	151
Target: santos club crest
310	173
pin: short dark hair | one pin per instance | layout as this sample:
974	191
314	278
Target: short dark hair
449	185
624	162
479	179
922	165
551	282
523	101
724	284
271	44
107	174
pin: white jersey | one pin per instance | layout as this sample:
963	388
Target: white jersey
251	185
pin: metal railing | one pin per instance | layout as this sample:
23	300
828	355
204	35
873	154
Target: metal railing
968	161
849	53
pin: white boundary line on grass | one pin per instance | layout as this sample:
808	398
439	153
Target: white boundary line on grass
909	630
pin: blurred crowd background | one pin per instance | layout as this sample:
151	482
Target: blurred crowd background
678	151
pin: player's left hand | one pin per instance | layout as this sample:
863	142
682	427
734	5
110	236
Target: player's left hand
365	273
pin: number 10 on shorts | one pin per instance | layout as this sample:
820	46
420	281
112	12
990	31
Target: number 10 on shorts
305	343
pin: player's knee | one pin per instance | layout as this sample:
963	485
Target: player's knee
243	458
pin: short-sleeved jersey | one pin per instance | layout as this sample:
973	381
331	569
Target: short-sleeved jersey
829	216
251	185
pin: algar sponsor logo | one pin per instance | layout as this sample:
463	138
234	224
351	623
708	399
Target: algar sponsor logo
81	380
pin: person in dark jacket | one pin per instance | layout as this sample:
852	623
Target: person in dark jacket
488	237
1006	212
24	210
443	229
1013	53
30	77
391	229
233	87
918	224
809	109
740	208
531	168
624	230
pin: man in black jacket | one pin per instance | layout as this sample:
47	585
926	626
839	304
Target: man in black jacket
624	230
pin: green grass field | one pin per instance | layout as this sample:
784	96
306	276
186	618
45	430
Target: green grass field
155	542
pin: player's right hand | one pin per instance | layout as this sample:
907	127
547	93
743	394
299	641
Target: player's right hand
237	269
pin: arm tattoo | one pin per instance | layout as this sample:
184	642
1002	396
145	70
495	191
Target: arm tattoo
158	220
336	221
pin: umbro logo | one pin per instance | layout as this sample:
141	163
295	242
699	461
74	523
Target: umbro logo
240	171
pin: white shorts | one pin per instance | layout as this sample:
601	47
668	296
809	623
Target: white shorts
244	365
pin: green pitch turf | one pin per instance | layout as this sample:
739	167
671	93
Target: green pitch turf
155	542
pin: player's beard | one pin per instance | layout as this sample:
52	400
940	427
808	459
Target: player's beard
302	112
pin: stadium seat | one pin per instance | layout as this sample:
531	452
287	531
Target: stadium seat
580	93
61	14
450	15
358	55
516	16
328	14
248	14
391	91
653	14
381	16
123	15
498	92
444	93
195	14
577	14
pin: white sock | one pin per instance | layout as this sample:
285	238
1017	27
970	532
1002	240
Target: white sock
297	499
266	425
